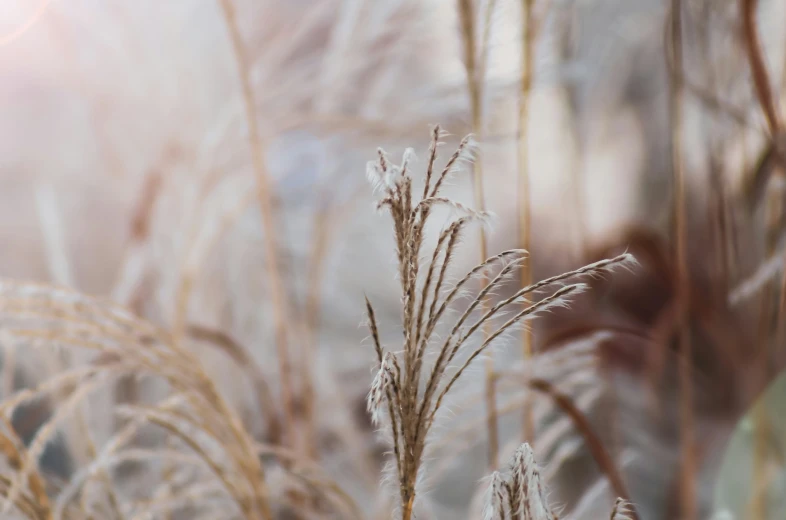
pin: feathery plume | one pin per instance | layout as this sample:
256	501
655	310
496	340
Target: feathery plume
412	400
494	508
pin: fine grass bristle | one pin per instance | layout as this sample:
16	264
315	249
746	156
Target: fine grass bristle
413	402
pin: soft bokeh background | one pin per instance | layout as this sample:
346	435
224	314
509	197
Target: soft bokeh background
126	172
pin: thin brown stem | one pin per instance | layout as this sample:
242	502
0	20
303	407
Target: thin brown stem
265	198
324	224
602	457
687	426
761	78
243	359
527	7
474	87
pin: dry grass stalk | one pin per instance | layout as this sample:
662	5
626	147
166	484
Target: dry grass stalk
61	272
15	453
593	442
763	358
327	222
131	285
475	70
302	468
571	367
245	362
319	249
761	78
404	397
687	448
265	198
762	455
527	43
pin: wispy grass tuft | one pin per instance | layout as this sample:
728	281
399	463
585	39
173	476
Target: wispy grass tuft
519	493
407	395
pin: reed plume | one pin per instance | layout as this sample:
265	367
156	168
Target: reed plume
520	494
407	395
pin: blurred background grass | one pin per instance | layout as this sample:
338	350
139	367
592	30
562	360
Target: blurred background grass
126	172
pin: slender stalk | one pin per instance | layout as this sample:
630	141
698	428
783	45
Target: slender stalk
591	438
528	426
780	329
239	354
410	503
687	446
761	457
761	78
474	87
319	246
763	359
326	223
266	206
